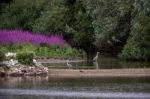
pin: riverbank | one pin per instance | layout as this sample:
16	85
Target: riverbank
24	71
75	73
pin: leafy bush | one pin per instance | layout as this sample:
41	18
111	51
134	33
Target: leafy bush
134	52
2	56
131	51
26	47
44	50
25	58
138	45
57	52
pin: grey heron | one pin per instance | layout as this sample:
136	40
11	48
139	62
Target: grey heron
68	64
96	57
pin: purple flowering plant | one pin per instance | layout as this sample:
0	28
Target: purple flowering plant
20	37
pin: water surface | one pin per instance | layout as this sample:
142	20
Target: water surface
80	88
105	61
74	88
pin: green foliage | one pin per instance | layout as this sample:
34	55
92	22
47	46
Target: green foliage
80	26
45	51
53	18
142	6
26	47
2	56
21	14
138	45
48	17
119	24
25	58
109	18
68	19
57	52
131	51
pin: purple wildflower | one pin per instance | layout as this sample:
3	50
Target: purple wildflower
19	37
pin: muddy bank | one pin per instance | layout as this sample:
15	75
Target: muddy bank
99	73
41	70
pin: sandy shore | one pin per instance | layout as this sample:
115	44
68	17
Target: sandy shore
99	73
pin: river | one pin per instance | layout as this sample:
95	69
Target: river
75	88
81	87
105	61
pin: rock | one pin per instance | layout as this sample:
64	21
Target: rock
2	69
3	65
36	63
10	54
23	70
2	74
11	62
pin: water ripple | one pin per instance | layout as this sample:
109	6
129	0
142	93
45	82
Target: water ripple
77	94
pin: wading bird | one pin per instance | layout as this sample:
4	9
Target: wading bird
68	64
96	57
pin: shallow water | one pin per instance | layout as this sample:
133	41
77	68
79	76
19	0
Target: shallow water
80	88
105	61
75	94
75	88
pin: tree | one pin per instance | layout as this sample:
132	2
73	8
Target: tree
138	44
81	27
110	18
53	18
21	14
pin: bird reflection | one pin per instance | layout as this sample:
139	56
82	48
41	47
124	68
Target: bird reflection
95	64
